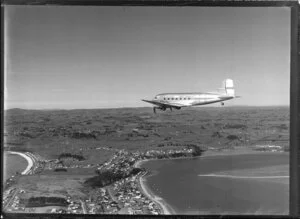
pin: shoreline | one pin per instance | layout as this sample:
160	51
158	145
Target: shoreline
209	153
236	151
27	158
167	210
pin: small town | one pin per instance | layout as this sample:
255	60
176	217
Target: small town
119	194
123	196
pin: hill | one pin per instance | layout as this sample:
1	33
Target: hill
83	131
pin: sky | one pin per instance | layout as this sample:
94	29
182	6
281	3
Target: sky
70	57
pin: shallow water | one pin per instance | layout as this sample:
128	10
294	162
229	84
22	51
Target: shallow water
189	188
13	163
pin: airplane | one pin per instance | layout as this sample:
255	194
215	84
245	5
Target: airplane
179	100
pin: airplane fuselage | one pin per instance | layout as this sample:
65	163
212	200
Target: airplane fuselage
191	99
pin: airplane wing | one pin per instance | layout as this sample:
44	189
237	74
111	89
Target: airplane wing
164	104
230	96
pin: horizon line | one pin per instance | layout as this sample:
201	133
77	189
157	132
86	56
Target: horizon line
127	107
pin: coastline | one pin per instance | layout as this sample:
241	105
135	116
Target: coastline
27	158
211	153
236	151
166	210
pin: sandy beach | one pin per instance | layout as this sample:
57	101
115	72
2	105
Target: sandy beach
167	210
139	163
29	161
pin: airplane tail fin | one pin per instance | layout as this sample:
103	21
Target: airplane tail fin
228	87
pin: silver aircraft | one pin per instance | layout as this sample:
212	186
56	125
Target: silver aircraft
179	100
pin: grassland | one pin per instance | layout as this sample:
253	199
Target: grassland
52	132
53	185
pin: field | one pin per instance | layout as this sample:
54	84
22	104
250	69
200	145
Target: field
52	185
96	133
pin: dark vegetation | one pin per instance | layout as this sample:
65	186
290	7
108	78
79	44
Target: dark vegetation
60	170
74	156
52	133
197	151
235	126
107	177
86	134
45	201
232	137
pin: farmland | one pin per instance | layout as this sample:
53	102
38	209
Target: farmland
52	132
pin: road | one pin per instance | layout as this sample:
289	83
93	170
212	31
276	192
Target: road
11	199
83	207
109	188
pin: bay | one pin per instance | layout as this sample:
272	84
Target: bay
13	163
231	184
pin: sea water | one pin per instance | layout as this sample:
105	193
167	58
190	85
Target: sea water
13	163
211	185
